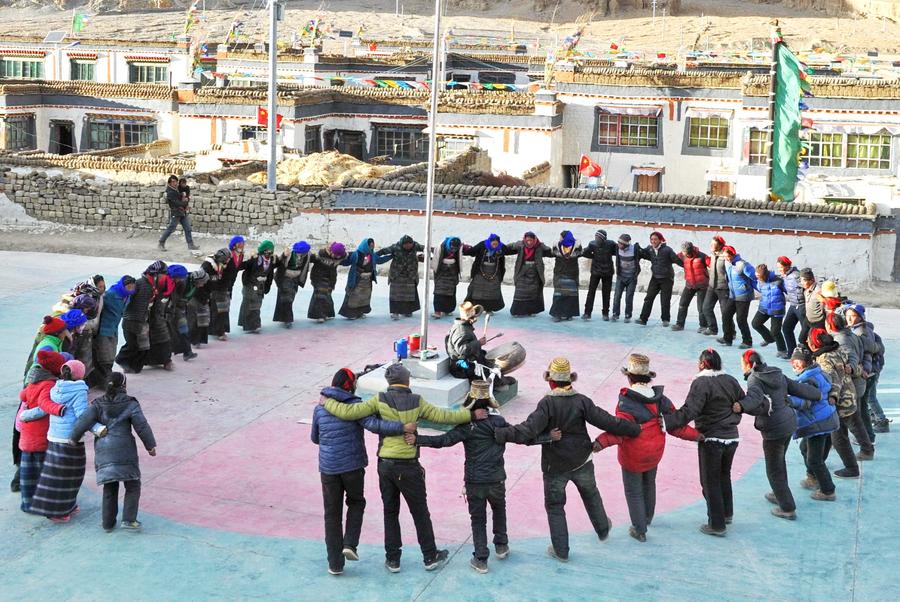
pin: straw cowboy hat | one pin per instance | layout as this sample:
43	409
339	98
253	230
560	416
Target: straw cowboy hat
560	370
638	365
479	389
467	310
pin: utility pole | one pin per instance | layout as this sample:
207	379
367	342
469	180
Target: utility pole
275	8
773	88
437	82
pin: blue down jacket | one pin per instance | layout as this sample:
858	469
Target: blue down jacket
342	447
740	279
771	295
814	417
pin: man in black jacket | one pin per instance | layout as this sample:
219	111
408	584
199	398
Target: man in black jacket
601	252
570	458
485	476
178	207
662	278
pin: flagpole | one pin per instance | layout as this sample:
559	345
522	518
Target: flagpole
273	92
436	84
773	89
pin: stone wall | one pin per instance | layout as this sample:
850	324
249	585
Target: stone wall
230	207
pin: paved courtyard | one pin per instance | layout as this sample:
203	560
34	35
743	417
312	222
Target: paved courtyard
231	506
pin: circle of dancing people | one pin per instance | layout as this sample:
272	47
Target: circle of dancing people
835	359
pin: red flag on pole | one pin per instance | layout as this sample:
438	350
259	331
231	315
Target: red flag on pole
589	168
613	46
262	117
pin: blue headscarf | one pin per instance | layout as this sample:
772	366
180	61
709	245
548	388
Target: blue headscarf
363	247
120	289
448	243
235	240
177	271
568	239
73	319
300	248
487	244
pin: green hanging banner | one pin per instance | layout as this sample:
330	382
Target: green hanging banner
786	126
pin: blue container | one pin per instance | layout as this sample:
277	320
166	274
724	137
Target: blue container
401	348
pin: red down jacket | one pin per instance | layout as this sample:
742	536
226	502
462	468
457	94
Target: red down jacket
644	452
696	273
34	433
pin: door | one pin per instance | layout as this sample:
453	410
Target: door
719	188
348	142
647	183
62	137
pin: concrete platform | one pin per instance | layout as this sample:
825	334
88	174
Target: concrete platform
445	392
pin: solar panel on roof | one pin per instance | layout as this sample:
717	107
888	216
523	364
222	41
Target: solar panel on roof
55	37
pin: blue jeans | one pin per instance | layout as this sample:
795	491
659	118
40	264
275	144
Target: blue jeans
174	220
626	284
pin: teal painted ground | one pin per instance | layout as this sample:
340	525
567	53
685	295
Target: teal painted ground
847	550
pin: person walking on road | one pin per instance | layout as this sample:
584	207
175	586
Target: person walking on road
178	214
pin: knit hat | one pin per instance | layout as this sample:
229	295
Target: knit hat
266	245
600	234
638	365
719	239
157	267
467	310
177	271
625	239
337	249
52	325
829	289
802	354
659	235
300	248
50	361
857	308
73	318
560	370
785	261
199	277
76	368
729	250
396	374
479	389
86	303
221	256
235	240
807	274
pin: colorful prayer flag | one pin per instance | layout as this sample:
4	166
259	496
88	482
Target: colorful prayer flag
79	20
786	133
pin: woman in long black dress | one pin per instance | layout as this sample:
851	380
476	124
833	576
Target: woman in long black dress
565	278
257	281
487	274
323	278
446	266
528	299
358	295
290	275
403	277
221	289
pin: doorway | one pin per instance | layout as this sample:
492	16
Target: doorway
348	142
62	137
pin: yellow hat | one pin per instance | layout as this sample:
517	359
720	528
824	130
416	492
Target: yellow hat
829	289
560	370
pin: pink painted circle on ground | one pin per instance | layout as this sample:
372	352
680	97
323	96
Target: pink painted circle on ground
233	456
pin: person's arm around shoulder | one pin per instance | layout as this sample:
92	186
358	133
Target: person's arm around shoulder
602	419
84	422
442	416
526	431
387	428
448	439
692	407
351	411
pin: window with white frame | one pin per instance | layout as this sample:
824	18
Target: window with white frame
869	151
254	132
708	132
628	130
759	146
103	135
451	146
826	150
19	67
83	70
18	133
148	73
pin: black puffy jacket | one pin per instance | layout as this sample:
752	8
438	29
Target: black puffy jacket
767	391
601	255
569	412
709	404
484	456
661	260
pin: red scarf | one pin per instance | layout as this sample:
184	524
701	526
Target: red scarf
529	253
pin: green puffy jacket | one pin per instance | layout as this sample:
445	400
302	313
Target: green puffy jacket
399	404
